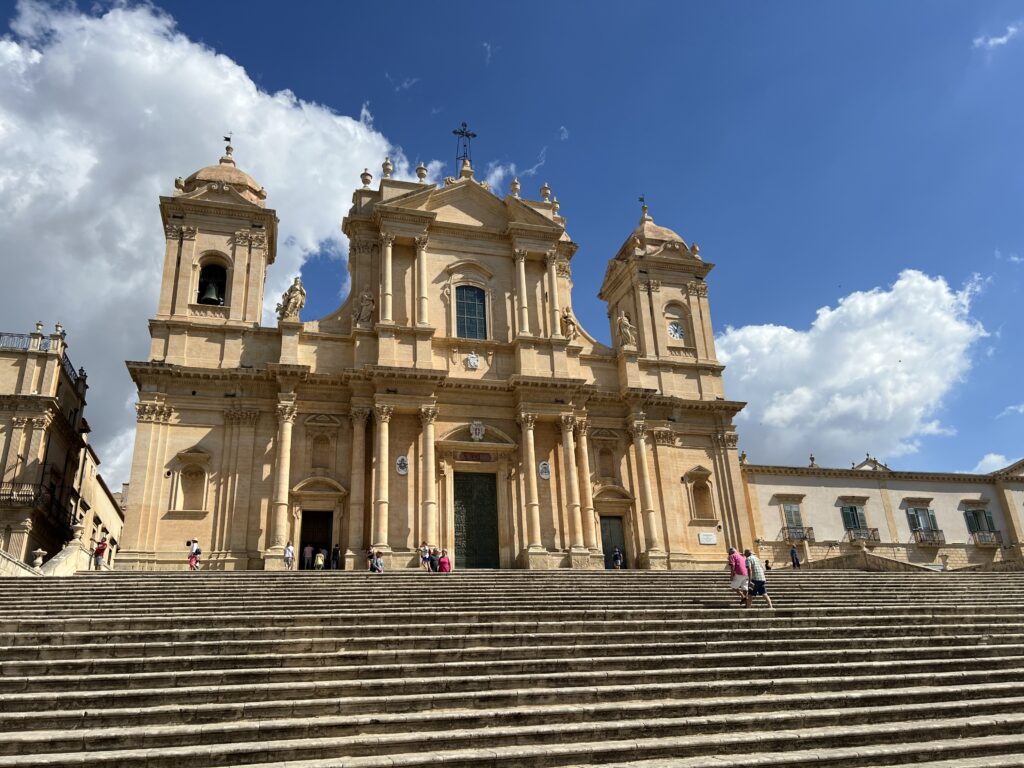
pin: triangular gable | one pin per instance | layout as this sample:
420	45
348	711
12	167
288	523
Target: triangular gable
468	204
217	193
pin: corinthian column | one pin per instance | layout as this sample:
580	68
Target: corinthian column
357	483
380	493
638	430
429	507
386	241
524	310
550	261
421	281
586	492
572	480
285	419
527	421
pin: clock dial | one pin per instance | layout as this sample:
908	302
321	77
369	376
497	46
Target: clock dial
675	330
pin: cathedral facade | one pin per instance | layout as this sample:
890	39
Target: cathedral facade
454	398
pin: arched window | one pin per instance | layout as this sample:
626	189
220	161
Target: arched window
702	505
213	283
193	488
470	312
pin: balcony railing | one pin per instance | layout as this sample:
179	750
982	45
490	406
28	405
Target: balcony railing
798	533
863	534
987	538
930	538
22	341
23	494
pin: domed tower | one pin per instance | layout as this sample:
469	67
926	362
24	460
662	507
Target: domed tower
220	239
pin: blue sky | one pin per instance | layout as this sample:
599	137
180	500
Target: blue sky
814	150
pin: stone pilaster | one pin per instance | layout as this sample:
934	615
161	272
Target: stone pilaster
386	242
379	540
551	262
533	540
422	305
429	505
286	411
586	490
521	296
357	489
572	487
652	557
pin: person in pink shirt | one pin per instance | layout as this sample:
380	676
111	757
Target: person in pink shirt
738	574
444	565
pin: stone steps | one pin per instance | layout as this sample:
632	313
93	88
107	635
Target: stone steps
515	669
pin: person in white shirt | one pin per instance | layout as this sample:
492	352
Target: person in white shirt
289	556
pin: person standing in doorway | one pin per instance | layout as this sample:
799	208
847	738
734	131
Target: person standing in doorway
336	558
289	556
794	557
307	557
617	559
738	574
318	562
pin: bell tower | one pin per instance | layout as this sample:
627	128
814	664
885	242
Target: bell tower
220	239
659	313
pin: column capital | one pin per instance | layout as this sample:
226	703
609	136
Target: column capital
637	429
383	413
428	414
421	242
582	425
551	258
527	420
519	254
286	412
387	239
358	414
568	422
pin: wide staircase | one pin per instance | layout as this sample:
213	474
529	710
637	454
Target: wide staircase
512	668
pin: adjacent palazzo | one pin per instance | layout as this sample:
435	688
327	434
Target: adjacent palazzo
453	398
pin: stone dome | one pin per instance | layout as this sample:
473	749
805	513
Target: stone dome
225	172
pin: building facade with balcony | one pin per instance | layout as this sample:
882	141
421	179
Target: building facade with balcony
937	519
49	480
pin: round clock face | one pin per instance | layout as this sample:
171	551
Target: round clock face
675	330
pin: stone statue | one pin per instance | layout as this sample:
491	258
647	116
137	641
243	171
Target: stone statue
569	329
364	313
293	300
627	331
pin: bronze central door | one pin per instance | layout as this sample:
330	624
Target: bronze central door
476	520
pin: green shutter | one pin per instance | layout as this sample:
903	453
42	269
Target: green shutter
931	520
990	521
862	519
914	520
849	518
971	520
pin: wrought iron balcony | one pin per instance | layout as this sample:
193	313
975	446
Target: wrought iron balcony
863	534
934	538
798	533
987	538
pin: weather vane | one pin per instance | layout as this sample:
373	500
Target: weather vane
643	203
227	140
465	136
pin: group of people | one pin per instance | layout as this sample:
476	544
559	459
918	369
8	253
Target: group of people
313	558
434	561
748	577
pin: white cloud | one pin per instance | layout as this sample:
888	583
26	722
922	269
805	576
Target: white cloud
990	462
991	43
563	133
868	376
488	51
98	115
1012	409
401	85
497	172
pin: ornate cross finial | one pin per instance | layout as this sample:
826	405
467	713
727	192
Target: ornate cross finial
462	148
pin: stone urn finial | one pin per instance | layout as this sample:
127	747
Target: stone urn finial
555	206
421	172
514	187
366	177
39	326
37	557
545	192
387	167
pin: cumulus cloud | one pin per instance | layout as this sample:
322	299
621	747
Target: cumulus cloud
1011	410
869	375
990	43
497	172
563	133
990	462
98	114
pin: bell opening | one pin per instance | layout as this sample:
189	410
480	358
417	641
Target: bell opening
213	280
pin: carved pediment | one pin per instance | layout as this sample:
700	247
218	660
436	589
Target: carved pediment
320	485
217	193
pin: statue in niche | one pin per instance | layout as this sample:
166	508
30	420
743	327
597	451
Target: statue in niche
627	331
569	328
293	300
364	313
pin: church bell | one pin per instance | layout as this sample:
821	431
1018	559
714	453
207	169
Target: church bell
210	295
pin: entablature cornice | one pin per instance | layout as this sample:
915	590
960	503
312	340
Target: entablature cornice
873	477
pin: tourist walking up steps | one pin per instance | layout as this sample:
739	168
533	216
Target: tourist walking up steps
318	562
424	556
307	557
435	559
377	563
98	552
793	556
289	556
758	581
738	574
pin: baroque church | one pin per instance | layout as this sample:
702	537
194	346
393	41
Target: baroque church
454	398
